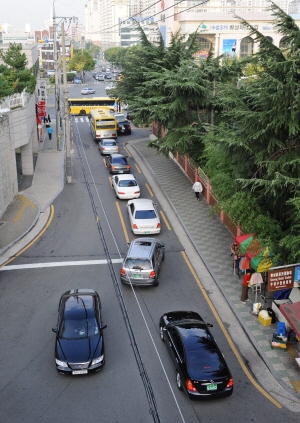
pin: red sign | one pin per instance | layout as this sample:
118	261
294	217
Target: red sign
41	110
280	279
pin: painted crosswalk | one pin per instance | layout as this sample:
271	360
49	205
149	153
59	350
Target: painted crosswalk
81	119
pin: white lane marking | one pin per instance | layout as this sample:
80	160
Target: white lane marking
58	264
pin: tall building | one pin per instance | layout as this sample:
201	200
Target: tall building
219	25
92	21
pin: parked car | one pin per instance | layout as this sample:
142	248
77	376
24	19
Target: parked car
123	124
117	163
108	146
125	186
108	76
100	77
86	91
201	370
77	81
79	344
50	72
143	217
143	261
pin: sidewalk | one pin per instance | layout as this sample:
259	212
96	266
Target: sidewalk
209	236
28	206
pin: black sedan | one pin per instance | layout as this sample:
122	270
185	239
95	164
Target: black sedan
201	370
123	124
79	346
117	163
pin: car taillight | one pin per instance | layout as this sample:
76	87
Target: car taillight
135	226
123	273
152	274
128	167
137	192
114	135
230	383
117	148
189	386
112	167
158	225
120	192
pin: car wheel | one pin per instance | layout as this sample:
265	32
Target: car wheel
82	112
161	332
163	257
156	282
129	132
178	382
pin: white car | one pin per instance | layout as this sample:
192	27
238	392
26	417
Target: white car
125	186
143	217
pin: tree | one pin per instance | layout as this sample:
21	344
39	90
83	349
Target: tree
257	142
93	49
81	60
15	77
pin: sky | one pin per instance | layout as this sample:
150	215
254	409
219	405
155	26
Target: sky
33	12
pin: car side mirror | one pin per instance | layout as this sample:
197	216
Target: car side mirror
127	243
103	327
54	330
210	325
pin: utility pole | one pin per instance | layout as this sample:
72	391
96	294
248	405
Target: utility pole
66	104
57	82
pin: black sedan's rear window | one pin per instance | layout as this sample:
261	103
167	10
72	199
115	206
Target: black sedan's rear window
119	160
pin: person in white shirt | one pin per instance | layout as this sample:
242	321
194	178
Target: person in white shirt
197	187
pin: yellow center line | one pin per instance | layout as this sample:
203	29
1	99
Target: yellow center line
122	223
138	169
34	239
227	336
129	155
110	182
104	161
165	220
149	189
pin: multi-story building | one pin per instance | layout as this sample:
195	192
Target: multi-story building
220	23
130	34
92	21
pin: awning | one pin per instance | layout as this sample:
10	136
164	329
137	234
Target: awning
241	238
292	314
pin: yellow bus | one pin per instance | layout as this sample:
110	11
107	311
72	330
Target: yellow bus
83	106
103	124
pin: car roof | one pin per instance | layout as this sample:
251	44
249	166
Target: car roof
117	155
142	203
125	177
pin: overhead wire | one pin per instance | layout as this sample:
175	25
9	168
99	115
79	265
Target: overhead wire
105	30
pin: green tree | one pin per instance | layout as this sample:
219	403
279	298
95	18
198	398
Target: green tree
14	76
92	48
257	141
82	60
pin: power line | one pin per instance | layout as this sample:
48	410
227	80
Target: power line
145	19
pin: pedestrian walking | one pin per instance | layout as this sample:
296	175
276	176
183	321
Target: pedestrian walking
49	120
197	187
45	119
49	130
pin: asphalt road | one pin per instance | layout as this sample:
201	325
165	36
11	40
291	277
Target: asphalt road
31	389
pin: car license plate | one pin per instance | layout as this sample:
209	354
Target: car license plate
79	372
137	276
147	232
121	171
211	387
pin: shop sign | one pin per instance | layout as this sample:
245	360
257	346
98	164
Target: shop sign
282	278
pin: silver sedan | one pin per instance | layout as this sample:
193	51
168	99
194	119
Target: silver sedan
108	146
